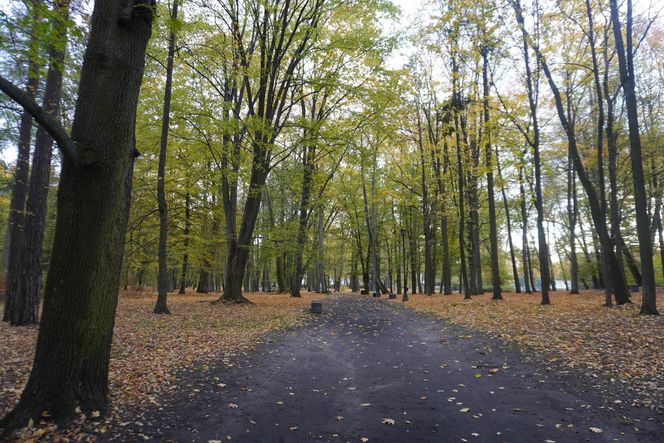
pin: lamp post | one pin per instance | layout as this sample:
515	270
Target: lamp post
405	272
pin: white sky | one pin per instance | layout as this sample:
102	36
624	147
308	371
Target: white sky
411	11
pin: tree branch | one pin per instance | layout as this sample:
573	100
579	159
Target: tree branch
55	129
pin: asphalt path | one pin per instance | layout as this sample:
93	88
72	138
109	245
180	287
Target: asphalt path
370	370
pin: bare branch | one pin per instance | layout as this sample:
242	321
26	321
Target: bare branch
55	129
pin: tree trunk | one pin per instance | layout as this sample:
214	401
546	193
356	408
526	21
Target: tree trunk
27	298
525	255
73	347
308	155
429	268
612	151
187	227
543	248
631	262
661	242
618	283
493	235
600	153
202	286
162	281
13	312
515	269
628	82
572	213
462	246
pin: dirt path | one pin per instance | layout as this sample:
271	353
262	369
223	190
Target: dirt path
373	369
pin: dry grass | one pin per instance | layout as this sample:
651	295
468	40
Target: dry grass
615	345
148	350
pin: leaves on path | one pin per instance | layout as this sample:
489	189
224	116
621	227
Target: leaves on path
608	344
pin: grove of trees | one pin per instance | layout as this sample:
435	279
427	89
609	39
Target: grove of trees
284	145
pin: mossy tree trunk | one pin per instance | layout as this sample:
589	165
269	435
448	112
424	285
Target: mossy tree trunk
70	368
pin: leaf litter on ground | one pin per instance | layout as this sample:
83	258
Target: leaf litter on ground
616	347
149	350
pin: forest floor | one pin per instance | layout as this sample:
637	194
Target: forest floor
370	370
150	350
622	350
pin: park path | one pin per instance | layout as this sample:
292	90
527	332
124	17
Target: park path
373	369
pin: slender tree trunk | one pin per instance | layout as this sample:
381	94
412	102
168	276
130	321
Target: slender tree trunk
631	262
533	283
612	151
429	269
447	268
493	235
515	270
161	307
13	313
608	249
589	261
628	82
354	277
187	228
543	248
621	294
462	246
307	161
28	297
661	242
572	217
414	265
525	255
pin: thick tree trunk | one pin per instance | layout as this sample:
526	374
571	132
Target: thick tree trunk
161	307
239	253
73	347
203	286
